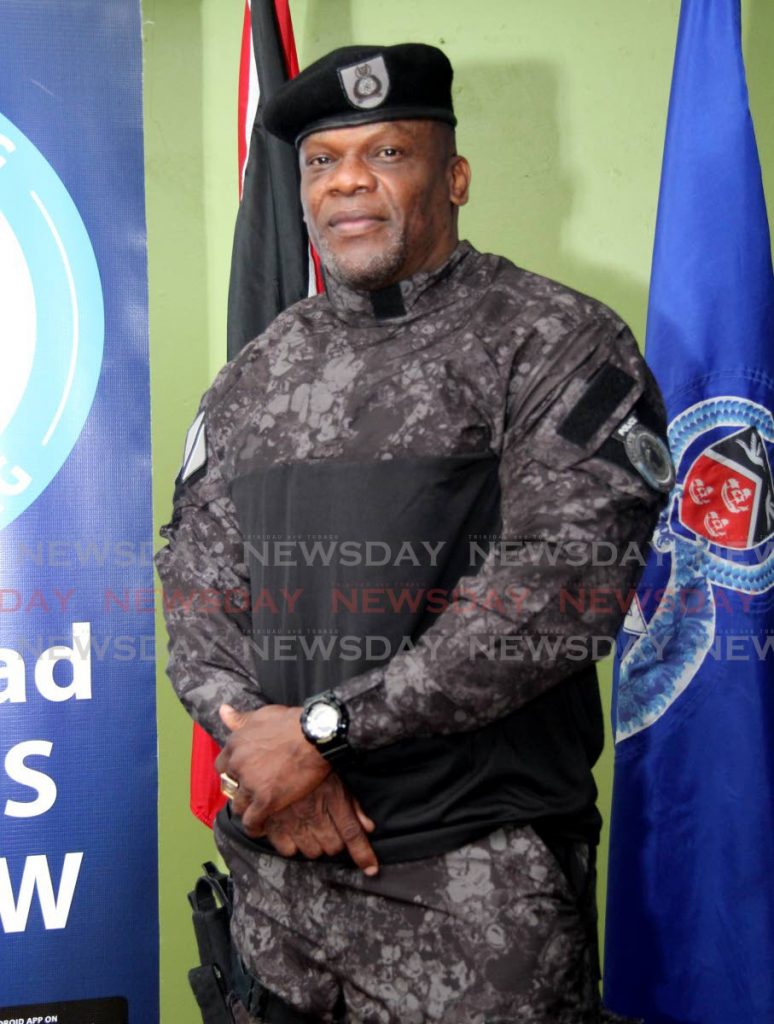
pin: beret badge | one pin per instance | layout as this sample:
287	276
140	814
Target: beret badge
366	85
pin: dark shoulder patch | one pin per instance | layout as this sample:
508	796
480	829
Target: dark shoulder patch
607	389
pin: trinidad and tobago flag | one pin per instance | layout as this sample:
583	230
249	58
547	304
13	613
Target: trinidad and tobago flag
690	909
272	265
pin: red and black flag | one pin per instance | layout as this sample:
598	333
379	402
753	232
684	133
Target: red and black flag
271	264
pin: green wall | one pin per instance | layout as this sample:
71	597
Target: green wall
191	53
562	108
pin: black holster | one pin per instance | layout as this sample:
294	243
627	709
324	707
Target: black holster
211	901
222	976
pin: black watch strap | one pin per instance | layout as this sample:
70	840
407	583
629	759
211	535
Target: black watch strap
335	746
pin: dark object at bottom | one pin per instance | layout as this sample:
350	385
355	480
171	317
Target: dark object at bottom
111	1010
221	982
263	1006
211	902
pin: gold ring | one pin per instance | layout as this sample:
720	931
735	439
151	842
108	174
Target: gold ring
228	786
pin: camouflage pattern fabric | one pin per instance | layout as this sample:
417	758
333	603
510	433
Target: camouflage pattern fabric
491	933
481	357
484	358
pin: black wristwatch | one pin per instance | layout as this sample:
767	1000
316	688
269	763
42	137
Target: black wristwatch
325	724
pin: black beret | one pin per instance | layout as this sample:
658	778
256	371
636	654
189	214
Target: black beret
360	85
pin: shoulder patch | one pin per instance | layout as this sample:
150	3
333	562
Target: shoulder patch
648	454
195	454
606	390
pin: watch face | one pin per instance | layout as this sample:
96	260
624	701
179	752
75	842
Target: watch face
322	722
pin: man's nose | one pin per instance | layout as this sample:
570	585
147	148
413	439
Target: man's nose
352	174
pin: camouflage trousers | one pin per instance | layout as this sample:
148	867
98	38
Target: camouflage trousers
491	933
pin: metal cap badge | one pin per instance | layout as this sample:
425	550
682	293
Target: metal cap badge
366	85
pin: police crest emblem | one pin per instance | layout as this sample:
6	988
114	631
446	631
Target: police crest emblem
728	495
716	537
367	84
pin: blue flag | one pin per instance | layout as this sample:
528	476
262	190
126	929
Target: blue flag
690	918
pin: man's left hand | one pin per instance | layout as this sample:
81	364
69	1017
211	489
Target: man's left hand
327	821
268	755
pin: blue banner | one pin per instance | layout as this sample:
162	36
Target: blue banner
78	845
690	918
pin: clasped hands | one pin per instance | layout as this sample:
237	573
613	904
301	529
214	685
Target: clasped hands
288	791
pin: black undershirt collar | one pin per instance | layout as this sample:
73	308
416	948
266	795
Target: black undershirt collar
387	303
413	295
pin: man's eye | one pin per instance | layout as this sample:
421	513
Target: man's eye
318	161
389	151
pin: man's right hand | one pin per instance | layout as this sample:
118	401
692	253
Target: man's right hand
328	821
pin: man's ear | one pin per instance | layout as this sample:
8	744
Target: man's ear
459	180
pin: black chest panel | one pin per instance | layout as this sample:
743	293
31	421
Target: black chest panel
349	562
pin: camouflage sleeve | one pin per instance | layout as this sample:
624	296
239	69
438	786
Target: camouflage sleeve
206	589
578	507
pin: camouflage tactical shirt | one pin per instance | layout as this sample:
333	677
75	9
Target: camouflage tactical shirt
440	466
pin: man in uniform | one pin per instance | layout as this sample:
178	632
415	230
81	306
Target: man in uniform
417	505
